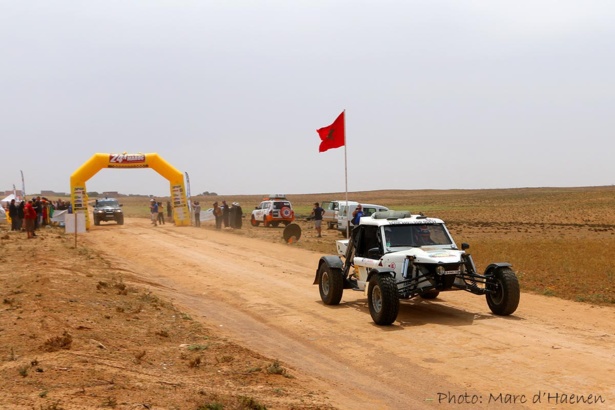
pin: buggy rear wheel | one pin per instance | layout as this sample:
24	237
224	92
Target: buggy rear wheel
503	298
383	299
330	285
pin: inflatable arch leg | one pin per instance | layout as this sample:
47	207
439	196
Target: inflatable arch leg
79	196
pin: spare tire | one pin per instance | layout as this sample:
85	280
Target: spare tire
285	212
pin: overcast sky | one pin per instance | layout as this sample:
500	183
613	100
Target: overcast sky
438	94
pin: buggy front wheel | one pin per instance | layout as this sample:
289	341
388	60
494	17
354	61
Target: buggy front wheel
383	299
503	296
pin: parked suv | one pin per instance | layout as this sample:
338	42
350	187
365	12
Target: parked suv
274	210
108	209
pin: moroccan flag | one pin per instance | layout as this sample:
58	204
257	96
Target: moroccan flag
333	135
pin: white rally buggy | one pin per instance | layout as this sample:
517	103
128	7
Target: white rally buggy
395	255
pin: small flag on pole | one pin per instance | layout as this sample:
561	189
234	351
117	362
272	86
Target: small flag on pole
333	135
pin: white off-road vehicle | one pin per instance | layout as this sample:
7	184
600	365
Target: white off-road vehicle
395	255
272	211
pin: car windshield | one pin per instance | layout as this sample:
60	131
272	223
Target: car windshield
416	235
107	202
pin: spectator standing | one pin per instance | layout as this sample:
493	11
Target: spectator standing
235	216
238	215
13	216
154	210
30	219
317	212
20	214
357	214
169	210
160	214
218	215
37	204
225	214
45	220
197	214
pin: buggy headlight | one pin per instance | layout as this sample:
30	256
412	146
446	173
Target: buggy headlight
440	270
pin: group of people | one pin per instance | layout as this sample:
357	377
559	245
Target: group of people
157	211
228	216
30	215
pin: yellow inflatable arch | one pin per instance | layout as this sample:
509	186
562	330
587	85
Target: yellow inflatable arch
79	197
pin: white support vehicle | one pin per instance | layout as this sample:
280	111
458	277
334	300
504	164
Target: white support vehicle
395	255
344	214
272	211
331	212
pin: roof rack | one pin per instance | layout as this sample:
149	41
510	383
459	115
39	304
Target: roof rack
274	196
391	215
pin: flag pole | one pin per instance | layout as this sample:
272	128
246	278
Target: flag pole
346	176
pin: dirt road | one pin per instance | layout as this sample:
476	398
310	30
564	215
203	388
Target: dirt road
447	353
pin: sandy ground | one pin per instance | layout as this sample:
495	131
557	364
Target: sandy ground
447	353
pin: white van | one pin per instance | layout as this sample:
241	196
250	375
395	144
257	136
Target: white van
342	216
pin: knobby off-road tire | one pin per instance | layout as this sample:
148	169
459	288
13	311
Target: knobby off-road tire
383	299
505	300
253	221
331	284
120	220
431	294
96	221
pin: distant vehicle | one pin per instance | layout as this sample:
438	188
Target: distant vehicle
331	211
108	209
395	255
345	215
272	211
